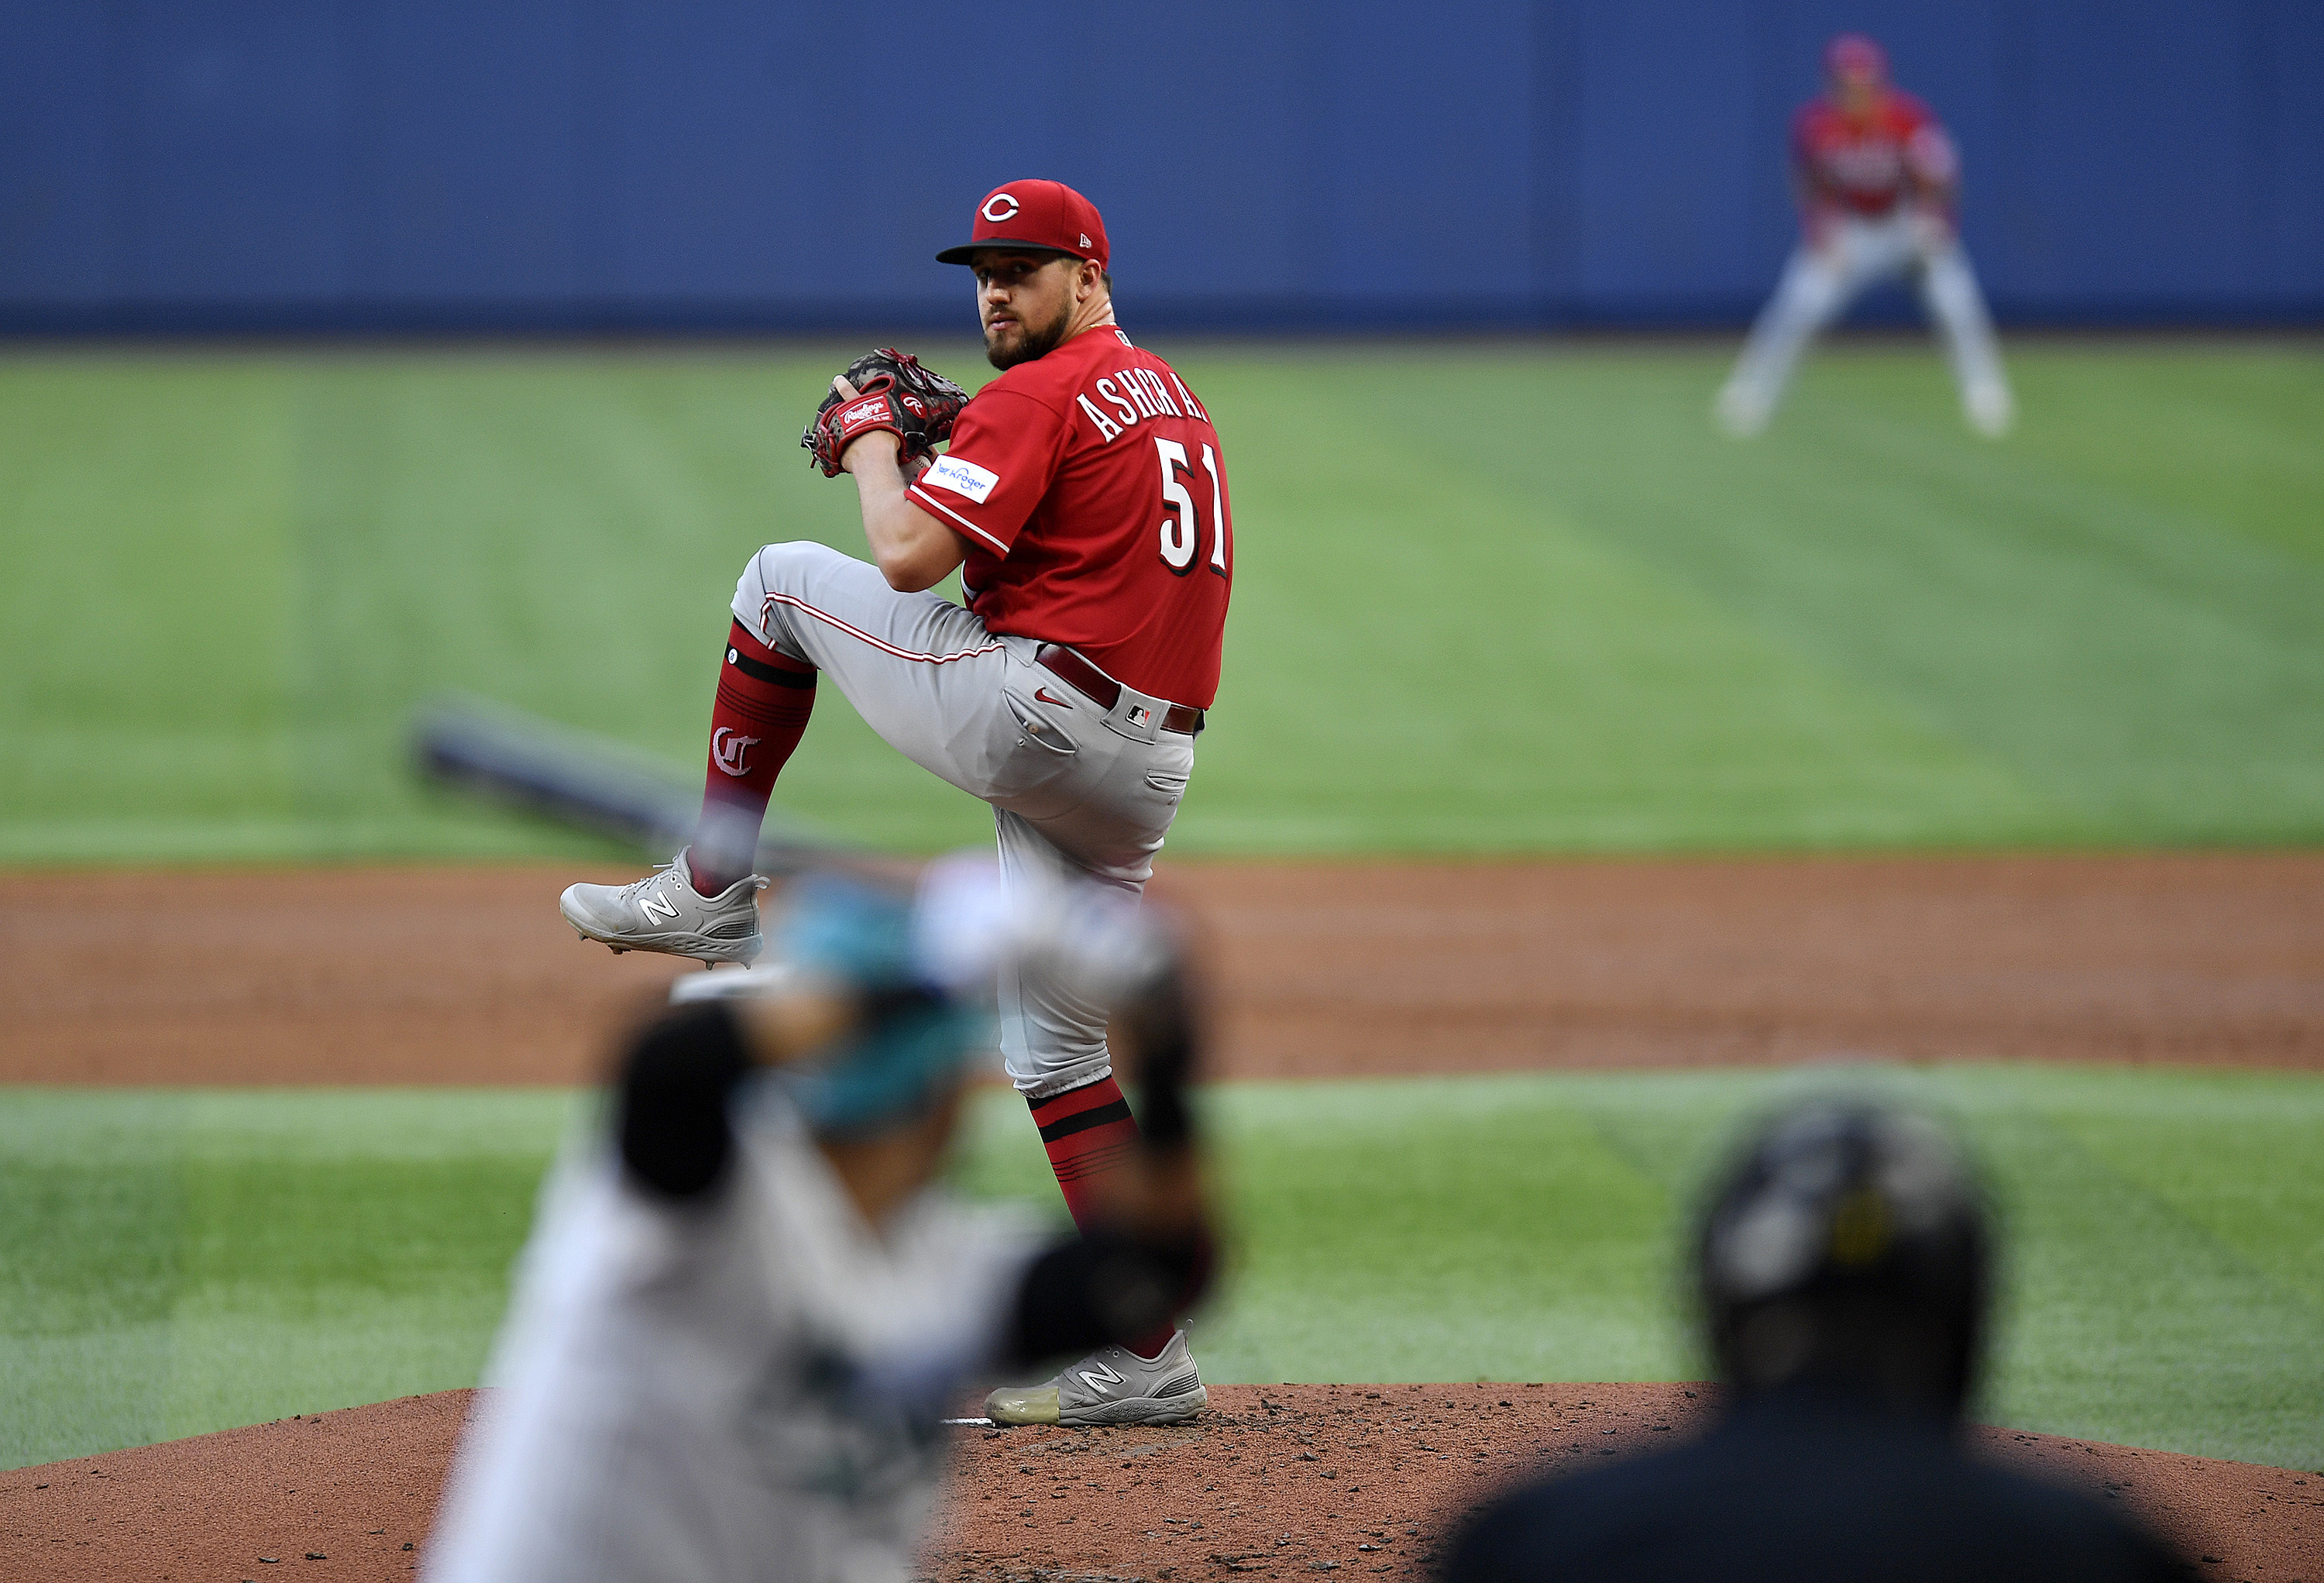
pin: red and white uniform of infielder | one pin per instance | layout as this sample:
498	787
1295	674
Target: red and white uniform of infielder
1091	491
1876	178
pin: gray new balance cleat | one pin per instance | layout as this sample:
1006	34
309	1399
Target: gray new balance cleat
664	913
1112	1386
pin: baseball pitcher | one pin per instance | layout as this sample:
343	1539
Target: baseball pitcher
744	1308
1876	180
1084	500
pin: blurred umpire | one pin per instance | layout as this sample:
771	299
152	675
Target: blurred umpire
1843	1270
745	1306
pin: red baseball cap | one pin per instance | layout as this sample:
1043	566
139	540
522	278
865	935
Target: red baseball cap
1047	215
1855	55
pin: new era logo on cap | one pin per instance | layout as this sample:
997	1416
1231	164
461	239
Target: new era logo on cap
1046	215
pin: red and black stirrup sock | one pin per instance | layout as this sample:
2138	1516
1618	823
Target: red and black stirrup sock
1089	1131
764	698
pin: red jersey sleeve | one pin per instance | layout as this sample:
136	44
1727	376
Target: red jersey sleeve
1006	448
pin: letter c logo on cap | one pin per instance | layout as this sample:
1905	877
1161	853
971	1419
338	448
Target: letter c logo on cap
1000	207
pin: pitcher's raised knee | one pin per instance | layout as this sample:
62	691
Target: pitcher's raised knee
777	572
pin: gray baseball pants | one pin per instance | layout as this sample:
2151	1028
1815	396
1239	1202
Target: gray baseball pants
1817	286
1074	788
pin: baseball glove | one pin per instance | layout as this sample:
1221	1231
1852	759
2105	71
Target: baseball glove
893	392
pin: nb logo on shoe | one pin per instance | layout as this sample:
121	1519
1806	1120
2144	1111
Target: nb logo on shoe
1097	1377
731	751
658	907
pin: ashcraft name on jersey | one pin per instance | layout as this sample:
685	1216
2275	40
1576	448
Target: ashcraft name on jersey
1092	489
1148	397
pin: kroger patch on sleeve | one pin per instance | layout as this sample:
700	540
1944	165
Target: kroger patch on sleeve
961	478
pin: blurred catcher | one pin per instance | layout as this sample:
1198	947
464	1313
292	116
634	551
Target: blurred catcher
1843	1271
1084	500
1878	183
744	1306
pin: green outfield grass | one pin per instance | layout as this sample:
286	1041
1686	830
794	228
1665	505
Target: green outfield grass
186	1261
1488	600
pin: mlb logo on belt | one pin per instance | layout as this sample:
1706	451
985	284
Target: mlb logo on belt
1140	715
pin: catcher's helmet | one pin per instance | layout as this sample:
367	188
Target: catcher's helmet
1848	1246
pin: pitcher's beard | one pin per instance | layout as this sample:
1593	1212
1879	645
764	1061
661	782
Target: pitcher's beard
1030	343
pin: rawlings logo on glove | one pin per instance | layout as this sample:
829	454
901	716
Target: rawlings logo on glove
893	392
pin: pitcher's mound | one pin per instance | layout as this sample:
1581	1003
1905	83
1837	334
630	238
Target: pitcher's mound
1291	1481
356	1488
1285	1481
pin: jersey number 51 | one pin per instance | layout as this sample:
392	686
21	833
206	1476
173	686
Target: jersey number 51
1182	527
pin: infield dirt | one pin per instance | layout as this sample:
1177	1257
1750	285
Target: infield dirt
465	974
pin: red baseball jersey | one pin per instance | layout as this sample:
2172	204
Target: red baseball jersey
1867	164
1093	493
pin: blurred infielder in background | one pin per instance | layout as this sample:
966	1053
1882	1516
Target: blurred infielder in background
1084	499
744	1307
1878	182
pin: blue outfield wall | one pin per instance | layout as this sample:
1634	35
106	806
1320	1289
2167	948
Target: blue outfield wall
616	165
